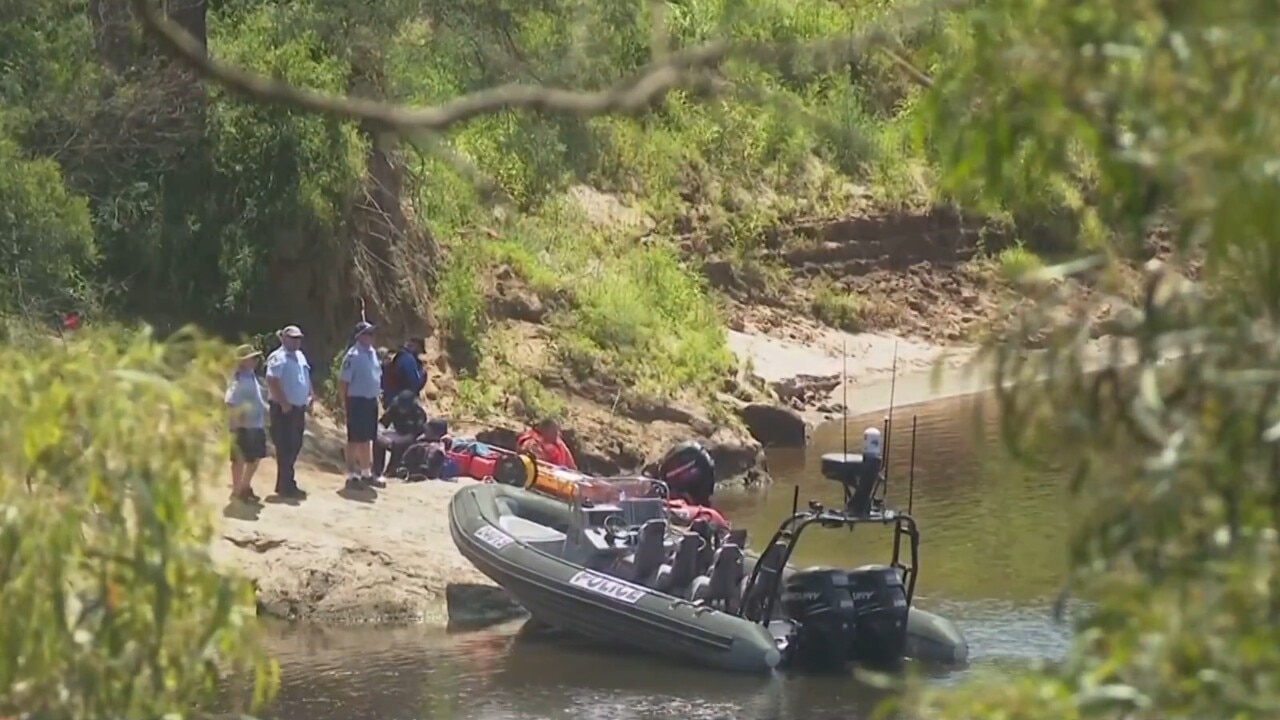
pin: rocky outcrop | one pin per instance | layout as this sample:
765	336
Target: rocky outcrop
473	605
774	425
337	557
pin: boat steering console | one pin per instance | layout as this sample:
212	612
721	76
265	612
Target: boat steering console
832	617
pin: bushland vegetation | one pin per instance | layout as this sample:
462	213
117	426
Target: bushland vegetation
112	604
141	190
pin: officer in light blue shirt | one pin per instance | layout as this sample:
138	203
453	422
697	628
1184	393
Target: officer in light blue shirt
289	380
360	383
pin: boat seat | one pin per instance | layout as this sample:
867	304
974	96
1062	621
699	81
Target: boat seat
650	551
683	568
770	567
707	552
719	588
541	537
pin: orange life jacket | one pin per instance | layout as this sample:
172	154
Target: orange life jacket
552	451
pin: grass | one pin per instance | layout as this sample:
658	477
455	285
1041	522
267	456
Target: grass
836	306
712	177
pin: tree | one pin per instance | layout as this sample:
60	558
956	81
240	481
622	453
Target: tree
112	604
1160	117
1139	118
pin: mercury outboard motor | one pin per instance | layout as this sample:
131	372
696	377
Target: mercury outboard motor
689	472
859	474
844	617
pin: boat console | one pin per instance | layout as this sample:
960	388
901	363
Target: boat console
831	617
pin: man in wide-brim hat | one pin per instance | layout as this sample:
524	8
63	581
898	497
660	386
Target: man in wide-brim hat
247	418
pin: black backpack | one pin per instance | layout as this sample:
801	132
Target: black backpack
422	461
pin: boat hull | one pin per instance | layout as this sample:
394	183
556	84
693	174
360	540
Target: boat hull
567	596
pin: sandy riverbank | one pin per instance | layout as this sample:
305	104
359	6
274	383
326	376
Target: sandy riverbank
387	555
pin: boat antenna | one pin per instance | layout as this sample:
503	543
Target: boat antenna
795	500
911	472
888	421
844	395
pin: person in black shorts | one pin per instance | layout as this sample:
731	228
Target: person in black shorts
247	417
360	383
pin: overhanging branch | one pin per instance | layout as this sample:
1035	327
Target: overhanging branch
683	69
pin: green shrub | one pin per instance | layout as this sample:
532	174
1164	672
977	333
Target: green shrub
105	530
836	306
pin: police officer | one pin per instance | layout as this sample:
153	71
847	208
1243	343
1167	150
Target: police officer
360	383
289	382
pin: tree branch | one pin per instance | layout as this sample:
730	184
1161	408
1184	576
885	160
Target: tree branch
675	70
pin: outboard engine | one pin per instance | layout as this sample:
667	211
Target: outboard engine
689	472
843	617
859	474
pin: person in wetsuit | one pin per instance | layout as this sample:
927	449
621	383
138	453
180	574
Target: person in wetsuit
407	422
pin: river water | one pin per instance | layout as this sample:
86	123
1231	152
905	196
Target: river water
992	559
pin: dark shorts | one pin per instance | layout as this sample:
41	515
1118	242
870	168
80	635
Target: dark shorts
249	444
362	419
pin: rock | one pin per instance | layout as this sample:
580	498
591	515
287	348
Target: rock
473	606
735	459
775	426
511	301
499	436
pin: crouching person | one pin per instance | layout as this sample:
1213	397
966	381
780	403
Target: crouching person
425	458
406	421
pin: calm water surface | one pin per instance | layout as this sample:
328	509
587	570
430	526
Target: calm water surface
991	559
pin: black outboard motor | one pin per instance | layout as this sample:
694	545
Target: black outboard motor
689	472
859	474
845	617
821	605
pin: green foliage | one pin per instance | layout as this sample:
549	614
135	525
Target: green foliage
728	169
836	306
105	532
1016	261
460	303
1164	114
46	240
195	196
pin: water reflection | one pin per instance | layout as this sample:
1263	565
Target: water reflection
992	559
990	529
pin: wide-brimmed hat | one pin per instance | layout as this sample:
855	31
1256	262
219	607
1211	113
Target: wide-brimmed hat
291	331
244	352
364	328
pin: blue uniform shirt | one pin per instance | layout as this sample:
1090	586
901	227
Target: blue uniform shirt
362	372
293	372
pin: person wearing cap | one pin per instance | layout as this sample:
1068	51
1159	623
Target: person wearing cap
359	385
247	416
289	380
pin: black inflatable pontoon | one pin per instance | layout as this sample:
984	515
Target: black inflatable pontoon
608	566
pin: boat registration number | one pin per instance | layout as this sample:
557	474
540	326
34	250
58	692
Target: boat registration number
493	537
608	587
